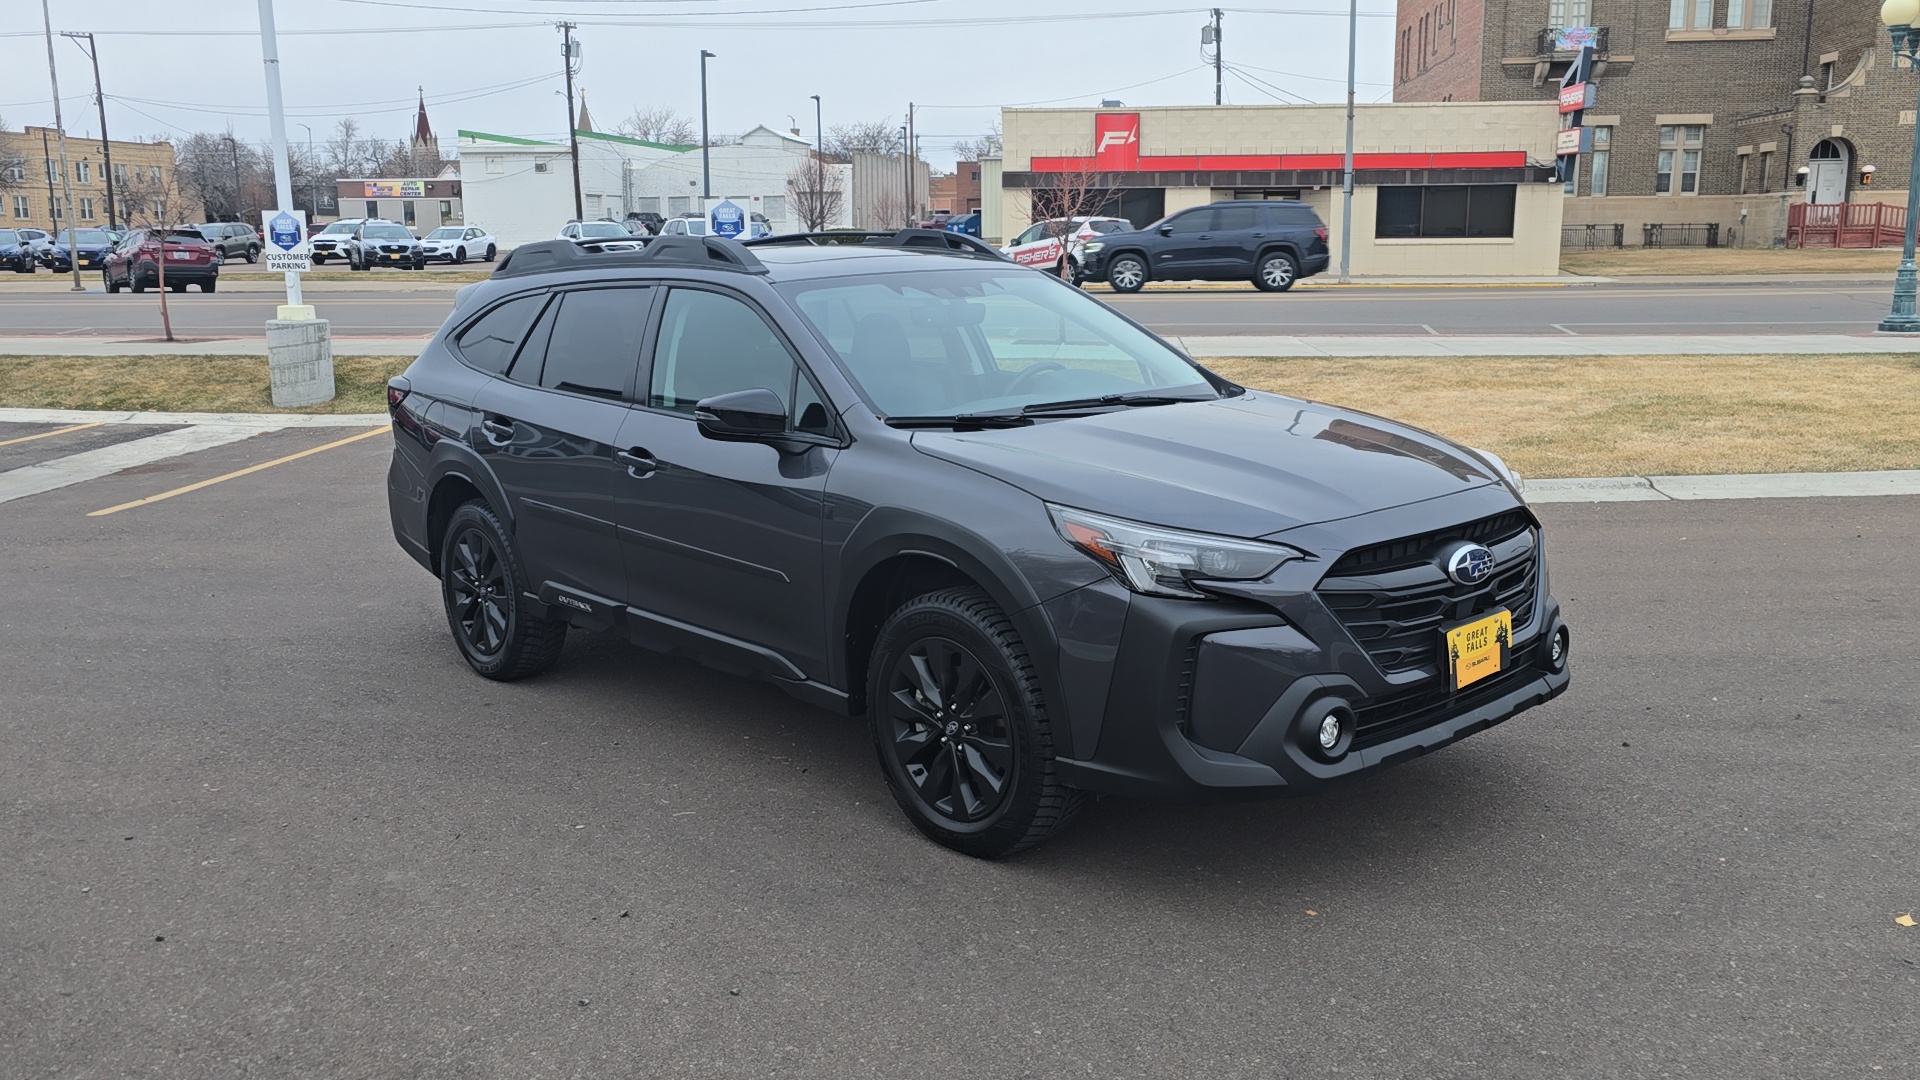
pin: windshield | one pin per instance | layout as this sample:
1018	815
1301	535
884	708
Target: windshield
87	236
8	236
385	232
603	229
946	342
337	228
446	232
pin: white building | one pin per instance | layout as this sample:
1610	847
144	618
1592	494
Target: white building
522	189
752	172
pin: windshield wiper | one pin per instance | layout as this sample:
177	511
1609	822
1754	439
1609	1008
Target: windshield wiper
1136	399
961	420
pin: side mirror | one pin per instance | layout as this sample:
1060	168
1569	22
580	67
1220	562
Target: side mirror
1166	230
756	415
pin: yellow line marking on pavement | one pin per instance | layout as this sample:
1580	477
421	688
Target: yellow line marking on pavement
241	472
50	434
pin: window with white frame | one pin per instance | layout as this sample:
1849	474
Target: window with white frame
86	208
83	172
1601	158
1749	14
17	170
53	171
1679	151
1564	13
22	207
120	174
1689	14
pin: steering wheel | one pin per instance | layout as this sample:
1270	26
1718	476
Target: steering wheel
1020	381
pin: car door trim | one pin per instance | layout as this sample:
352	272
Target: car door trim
549	509
675	547
663	633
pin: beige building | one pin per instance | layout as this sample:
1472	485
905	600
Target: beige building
1440	188
30	162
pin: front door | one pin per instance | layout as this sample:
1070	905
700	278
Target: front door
1827	173
1183	252
724	537
549	431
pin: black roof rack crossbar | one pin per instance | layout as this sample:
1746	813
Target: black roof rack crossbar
952	243
550	255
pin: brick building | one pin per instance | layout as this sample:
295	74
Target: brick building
957	192
1708	111
30	180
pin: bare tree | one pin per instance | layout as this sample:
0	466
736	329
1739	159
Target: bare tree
659	124
888	211
153	200
13	167
1060	197
402	160
862	137
350	154
981	146
815	194
225	176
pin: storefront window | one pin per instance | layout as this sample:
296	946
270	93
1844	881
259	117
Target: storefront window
1477	210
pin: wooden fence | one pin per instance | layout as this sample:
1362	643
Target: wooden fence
1845	225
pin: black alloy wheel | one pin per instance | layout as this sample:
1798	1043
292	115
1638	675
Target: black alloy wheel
960	725
253	253
459	255
106	279
484	590
491	252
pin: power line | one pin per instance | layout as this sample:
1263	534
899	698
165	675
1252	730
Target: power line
1072	97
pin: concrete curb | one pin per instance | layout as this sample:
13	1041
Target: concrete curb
247	420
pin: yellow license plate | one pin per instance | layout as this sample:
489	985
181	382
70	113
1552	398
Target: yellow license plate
1478	649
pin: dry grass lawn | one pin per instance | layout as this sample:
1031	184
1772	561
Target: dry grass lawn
1641	415
181	383
1630	261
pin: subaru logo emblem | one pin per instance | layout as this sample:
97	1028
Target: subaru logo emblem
1470	564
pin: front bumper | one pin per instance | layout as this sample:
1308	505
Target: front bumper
1173	699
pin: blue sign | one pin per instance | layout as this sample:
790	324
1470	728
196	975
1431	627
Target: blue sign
728	220
283	232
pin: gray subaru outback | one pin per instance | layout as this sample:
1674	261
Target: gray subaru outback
1041	551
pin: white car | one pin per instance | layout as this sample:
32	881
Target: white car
696	225
332	242
599	232
458	243
1041	244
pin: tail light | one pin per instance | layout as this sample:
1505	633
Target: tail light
397	391
1320	231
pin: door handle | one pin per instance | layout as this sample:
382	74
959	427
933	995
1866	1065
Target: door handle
498	432
1204	236
1258	235
639	463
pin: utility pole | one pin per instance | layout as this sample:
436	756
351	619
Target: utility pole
706	167
819	167
233	147
1219	51
912	156
569	53
1346	184
53	201
66	178
313	182
100	99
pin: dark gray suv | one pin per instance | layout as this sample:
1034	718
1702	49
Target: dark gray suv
1039	549
1273	243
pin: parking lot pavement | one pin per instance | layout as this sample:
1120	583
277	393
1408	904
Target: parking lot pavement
262	822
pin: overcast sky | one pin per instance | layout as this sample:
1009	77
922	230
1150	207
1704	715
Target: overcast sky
493	65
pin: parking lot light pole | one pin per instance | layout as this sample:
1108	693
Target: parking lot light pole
1899	17
706	170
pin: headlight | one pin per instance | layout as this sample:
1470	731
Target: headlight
1514	480
1165	562
1092	246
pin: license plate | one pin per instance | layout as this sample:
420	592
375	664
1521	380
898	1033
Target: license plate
179	254
1479	648
396	258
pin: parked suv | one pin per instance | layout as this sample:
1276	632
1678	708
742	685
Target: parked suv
384	243
869	473
1272	243
331	242
231	239
136	262
15	253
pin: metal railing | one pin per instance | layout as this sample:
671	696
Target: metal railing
1547	42
1680	235
1593	237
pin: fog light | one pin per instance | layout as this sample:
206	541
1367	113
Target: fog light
1330	727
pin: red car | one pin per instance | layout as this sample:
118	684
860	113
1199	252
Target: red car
136	262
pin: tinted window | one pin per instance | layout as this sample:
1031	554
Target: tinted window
713	344
1444	211
1193	221
1111	226
1233	217
490	343
1293	215
596	341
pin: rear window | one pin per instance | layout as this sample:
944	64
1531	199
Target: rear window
595	345
1293	215
490	343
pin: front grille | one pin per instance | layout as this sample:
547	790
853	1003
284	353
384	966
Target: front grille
1394	598
1385	719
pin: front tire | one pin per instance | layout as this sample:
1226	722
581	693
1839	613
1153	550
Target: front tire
1127	274
459	256
960	724
491	252
484	587
112	286
1276	273
207	286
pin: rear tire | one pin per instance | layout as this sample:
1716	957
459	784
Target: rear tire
961	728
491	252
1127	274
207	286
483	587
137	279
1276	273
253	253
177	286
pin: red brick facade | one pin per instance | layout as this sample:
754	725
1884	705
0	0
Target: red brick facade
1437	50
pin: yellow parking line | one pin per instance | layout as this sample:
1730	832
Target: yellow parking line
50	434
240	472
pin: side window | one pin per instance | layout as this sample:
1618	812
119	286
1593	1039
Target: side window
1293	216
490	343
809	412
595	344
1193	221
713	344
1033	233
1228	218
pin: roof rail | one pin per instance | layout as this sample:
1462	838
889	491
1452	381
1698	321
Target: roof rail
951	243
551	255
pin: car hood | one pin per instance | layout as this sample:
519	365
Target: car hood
1246	466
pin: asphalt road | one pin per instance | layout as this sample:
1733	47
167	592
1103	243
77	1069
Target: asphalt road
261	821
1598	309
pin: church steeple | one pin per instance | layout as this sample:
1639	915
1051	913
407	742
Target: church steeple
584	122
425	143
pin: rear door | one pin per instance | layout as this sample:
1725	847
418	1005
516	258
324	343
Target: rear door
725	537
549	430
1236	236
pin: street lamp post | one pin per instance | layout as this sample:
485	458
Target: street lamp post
1899	17
706	170
313	181
819	165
